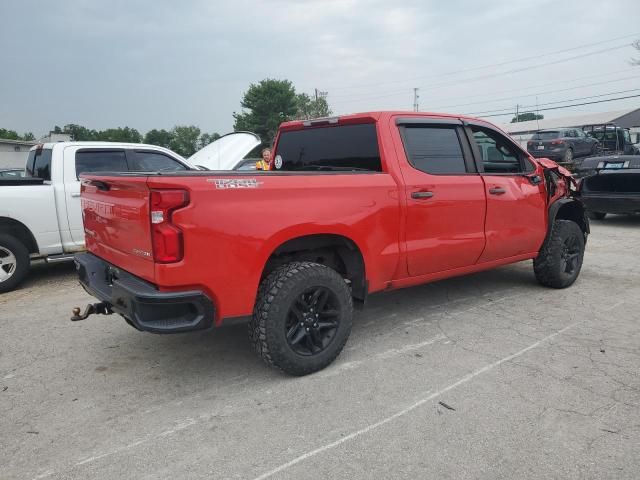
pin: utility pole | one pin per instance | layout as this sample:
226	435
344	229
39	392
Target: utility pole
517	109
320	94
416	97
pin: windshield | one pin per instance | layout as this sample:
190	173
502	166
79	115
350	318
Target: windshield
546	135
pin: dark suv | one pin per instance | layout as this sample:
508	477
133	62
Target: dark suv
562	144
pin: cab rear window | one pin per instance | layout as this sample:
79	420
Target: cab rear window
336	148
39	163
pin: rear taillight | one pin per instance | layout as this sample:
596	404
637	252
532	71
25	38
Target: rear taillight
167	238
557	142
529	143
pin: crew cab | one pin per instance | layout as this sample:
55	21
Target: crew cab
40	215
354	205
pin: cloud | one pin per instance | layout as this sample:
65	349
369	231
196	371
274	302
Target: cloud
153	64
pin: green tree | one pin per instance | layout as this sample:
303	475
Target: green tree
308	108
185	139
162	138
78	132
126	134
9	134
525	117
206	139
268	104
29	136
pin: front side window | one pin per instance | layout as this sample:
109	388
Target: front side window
498	155
88	161
155	162
340	148
434	149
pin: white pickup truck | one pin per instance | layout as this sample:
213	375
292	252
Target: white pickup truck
40	215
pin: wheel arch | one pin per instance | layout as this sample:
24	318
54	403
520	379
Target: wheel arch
20	231
569	209
334	250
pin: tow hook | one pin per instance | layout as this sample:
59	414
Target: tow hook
102	308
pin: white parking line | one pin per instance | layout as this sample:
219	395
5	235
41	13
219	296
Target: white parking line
419	403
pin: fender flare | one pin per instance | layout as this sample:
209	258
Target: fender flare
579	213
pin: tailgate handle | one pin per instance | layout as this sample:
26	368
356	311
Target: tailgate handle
99	184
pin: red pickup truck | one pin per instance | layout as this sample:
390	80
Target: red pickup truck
354	205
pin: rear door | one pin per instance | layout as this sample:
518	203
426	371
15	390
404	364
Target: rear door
445	196
516	220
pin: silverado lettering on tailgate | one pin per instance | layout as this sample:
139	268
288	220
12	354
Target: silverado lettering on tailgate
235	182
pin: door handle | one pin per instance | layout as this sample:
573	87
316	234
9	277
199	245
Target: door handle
497	191
421	195
74	195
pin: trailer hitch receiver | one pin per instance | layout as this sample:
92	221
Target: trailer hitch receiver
102	308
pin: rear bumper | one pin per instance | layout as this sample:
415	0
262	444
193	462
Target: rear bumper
140	302
611	203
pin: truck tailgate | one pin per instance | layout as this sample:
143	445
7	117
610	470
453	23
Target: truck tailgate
117	222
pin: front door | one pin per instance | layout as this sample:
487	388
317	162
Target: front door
445	197
516	199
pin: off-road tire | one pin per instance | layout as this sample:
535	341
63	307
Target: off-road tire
276	295
22	261
596	215
551	265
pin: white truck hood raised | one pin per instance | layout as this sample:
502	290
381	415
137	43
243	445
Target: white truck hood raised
226	152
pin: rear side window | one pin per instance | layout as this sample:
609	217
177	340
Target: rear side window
546	135
39	164
341	148
434	149
155	162
88	161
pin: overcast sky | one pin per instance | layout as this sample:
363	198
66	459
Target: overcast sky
155	64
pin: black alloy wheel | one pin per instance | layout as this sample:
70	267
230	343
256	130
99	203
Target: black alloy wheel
312	321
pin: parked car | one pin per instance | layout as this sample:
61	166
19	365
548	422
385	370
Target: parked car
610	184
41	217
12	172
357	204
562	144
613	140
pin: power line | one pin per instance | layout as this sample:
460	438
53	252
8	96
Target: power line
493	65
524	107
540	85
568	106
496	74
538	93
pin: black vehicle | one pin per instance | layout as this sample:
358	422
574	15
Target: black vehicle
562	144
613	139
610	184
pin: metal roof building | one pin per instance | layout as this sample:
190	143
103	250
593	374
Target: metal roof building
13	153
623	118
522	131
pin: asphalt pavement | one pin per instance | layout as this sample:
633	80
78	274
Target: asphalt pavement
488	376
